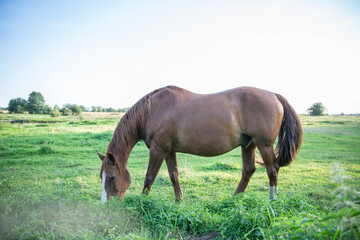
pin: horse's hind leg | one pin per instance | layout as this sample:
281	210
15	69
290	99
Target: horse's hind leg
157	156
248	160
172	165
272	168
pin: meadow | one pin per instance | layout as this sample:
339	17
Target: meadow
50	186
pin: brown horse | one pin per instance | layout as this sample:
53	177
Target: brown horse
172	120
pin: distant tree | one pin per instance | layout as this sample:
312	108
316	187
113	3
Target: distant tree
75	109
83	108
111	110
35	103
55	112
99	109
57	108
17	105
66	111
317	109
47	109
123	110
93	109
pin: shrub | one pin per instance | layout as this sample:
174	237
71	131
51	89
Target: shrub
66	111
75	109
17	105
47	109
55	113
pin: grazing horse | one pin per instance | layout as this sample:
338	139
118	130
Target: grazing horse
172	119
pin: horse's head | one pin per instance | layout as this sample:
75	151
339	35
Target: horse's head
114	175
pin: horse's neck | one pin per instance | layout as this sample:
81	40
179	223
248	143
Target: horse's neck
124	139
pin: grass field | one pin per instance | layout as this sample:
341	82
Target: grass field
50	186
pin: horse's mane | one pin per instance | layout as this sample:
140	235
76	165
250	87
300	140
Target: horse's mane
127	133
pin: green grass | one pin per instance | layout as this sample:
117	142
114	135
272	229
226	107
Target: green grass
50	186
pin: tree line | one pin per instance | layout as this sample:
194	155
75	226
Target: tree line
35	104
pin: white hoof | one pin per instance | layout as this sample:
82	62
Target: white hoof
272	193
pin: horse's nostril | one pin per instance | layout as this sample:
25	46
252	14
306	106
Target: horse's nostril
112	178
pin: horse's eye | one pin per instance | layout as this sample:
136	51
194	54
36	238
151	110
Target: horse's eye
111	178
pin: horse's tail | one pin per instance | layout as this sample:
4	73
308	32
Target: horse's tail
259	160
290	135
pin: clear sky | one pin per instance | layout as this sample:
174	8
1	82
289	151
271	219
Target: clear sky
111	53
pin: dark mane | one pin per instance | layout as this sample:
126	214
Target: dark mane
127	133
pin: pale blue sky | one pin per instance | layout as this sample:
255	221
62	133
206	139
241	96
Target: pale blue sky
111	53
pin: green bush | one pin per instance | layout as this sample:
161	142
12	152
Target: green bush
75	109
66	111
55	113
17	105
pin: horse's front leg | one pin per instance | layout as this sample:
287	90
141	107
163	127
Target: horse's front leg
157	156
172	165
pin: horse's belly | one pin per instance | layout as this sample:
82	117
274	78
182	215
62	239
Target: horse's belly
205	150
208	142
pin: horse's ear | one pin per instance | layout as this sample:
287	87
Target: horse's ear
110	157
100	156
